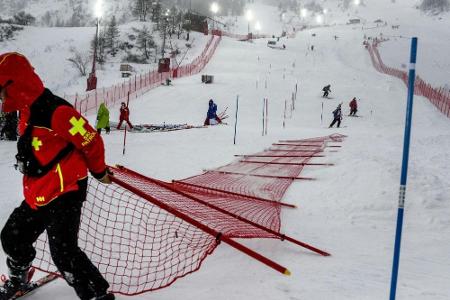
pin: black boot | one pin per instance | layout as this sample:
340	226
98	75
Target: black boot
18	280
106	296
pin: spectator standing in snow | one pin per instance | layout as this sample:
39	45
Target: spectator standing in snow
102	119
326	90
353	107
211	115
55	152
124	115
337	116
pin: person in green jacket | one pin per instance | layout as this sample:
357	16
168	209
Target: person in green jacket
102	119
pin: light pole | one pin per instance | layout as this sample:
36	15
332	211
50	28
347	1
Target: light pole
249	17
166	20
303	12
92	79
214	9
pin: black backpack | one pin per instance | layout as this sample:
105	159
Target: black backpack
41	113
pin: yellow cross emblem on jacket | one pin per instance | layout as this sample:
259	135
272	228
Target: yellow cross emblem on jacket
36	143
78	126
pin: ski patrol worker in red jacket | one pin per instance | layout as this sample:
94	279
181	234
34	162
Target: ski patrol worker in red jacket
55	151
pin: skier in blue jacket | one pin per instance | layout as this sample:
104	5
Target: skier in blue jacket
211	116
337	116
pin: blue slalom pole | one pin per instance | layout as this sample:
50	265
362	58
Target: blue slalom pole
235	122
404	174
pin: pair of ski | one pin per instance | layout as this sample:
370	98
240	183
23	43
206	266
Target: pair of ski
33	285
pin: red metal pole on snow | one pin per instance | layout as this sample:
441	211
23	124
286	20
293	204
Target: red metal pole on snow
261	175
284	163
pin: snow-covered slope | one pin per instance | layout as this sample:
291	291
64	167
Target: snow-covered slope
350	210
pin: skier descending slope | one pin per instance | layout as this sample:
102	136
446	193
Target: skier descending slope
353	107
326	91
337	116
54	152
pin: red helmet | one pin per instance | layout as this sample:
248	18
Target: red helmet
22	84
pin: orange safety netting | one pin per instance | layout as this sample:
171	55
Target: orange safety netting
143	233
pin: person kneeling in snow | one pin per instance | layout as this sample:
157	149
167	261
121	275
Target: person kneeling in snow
211	116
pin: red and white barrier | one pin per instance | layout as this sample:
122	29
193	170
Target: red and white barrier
439	97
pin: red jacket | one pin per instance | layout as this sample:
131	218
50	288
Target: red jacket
124	113
353	104
65	125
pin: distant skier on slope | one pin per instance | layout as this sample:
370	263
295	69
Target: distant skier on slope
211	115
337	116
326	90
353	107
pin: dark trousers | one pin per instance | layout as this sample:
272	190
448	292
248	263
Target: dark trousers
121	121
334	121
61	219
325	94
353	111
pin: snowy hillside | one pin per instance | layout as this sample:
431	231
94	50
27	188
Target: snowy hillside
350	210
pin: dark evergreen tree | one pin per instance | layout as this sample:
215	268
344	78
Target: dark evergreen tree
145	42
23	18
111	37
142	9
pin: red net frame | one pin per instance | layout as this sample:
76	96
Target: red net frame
143	233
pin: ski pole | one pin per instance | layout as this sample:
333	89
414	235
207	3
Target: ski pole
321	115
235	123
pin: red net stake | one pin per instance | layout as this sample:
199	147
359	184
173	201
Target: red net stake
206	229
287	156
296	150
260	175
284	163
298	145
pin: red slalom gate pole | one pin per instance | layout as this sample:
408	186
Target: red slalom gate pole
125	132
214	233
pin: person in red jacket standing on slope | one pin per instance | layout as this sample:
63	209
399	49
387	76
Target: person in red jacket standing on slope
55	150
124	115
353	107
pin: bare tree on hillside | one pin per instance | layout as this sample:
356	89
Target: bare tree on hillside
80	61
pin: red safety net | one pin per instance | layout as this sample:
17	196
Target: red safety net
438	96
143	233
